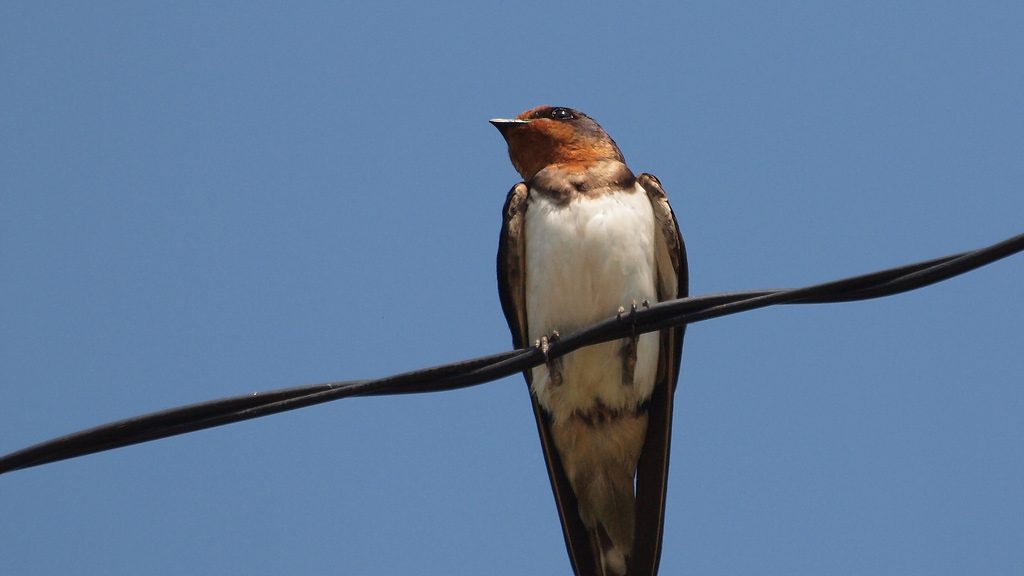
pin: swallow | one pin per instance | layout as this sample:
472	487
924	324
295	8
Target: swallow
582	240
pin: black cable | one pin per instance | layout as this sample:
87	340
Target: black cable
487	368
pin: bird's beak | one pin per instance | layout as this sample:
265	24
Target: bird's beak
505	124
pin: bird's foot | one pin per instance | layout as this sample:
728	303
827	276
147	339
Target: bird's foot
631	317
629	344
554	365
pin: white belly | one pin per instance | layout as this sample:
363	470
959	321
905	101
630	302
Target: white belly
583	261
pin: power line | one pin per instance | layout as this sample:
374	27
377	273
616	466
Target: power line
488	368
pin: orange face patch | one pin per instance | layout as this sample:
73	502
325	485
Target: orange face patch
543	142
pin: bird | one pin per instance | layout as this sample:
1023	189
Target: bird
582	240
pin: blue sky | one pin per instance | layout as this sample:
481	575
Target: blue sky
200	200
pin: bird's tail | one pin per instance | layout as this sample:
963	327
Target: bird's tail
608	508
600	463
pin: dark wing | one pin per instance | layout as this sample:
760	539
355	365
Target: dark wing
512	264
511	288
652	469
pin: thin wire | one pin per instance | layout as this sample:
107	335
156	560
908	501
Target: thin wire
488	368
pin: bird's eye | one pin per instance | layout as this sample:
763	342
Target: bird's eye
561	114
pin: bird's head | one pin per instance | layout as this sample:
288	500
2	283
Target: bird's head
549	135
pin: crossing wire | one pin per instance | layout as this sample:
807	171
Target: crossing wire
488	368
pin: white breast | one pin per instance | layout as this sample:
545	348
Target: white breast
584	260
